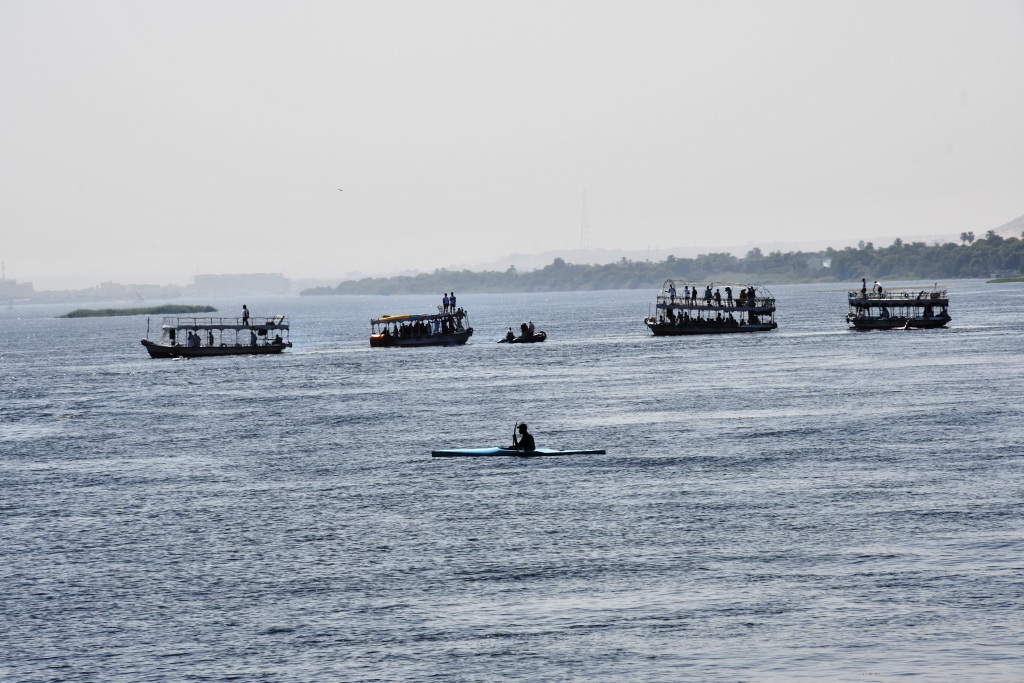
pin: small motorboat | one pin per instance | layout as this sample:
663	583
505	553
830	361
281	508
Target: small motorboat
538	336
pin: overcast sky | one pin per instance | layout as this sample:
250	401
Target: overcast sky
145	142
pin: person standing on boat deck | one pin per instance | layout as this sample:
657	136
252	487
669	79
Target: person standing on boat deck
525	441
877	288
728	295
252	337
245	315
444	302
718	297
863	288
707	295
686	293
451	301
531	328
672	292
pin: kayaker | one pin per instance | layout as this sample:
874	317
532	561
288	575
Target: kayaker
525	441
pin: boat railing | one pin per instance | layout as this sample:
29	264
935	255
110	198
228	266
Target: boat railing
274	322
916	295
724	305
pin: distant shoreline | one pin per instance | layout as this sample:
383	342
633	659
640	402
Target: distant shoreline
153	310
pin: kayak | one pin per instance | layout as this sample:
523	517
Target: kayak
488	452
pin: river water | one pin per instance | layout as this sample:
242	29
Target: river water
811	503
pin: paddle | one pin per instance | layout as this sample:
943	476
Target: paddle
514	444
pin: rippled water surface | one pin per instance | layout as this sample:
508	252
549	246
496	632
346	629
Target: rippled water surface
806	504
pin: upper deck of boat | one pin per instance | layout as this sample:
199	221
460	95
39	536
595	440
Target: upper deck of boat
899	297
763	301
277	322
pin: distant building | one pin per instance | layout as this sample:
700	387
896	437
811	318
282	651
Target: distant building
241	285
12	290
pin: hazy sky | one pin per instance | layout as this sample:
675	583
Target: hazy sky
145	142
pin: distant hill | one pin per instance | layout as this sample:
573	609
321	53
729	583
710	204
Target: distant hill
1014	228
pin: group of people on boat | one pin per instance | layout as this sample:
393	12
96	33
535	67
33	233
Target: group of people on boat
686	319
876	289
527	330
194	340
449	324
747	296
448	303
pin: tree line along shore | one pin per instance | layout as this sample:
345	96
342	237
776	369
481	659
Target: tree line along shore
990	256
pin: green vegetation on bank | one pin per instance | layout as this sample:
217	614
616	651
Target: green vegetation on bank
154	310
901	261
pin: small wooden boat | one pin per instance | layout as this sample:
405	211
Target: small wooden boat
492	452
185	337
421	329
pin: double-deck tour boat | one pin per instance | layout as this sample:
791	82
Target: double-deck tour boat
898	309
443	328
709	308
185	337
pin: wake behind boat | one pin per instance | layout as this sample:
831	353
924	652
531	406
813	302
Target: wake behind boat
189	337
494	452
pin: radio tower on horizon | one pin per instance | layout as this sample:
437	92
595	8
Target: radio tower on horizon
585	242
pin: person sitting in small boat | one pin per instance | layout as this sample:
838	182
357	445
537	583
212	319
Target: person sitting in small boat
531	328
510	335
525	441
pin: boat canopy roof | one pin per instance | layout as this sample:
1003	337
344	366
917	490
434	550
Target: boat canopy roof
409	317
277	322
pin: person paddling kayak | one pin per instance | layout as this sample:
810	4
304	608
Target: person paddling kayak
525	440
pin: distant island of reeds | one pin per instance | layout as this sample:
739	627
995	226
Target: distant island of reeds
153	310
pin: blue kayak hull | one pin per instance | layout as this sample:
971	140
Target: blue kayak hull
488	452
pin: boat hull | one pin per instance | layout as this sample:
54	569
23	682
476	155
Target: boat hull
164	351
453	339
896	322
498	452
670	330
